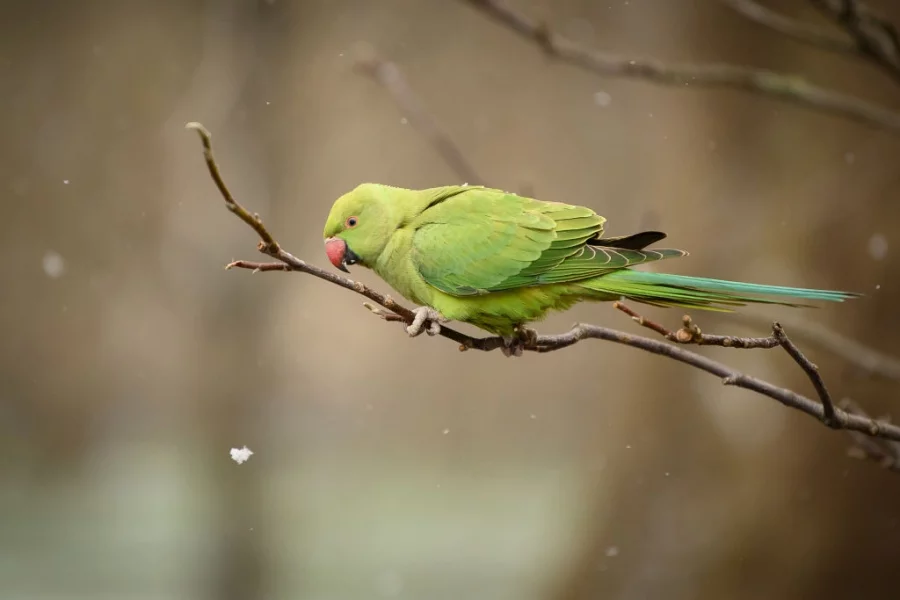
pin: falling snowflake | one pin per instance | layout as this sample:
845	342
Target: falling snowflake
54	265
878	246
241	455
602	99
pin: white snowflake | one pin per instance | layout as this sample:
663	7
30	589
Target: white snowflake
241	455
54	265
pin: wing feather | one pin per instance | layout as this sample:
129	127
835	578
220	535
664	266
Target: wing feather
481	240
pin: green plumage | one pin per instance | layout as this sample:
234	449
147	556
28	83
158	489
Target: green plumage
498	260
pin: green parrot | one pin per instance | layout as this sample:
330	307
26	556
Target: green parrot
499	261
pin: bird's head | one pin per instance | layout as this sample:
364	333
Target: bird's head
360	224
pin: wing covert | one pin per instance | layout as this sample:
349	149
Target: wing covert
484	240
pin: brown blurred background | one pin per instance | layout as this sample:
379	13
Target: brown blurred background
397	468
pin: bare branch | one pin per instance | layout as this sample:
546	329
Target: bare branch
876	38
841	419
391	77
392	311
793	28
789	88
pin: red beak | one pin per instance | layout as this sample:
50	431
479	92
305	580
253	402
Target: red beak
336	251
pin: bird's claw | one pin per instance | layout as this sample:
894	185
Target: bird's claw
515	345
428	320
512	346
528	336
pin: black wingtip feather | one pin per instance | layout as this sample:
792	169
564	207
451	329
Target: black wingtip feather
636	241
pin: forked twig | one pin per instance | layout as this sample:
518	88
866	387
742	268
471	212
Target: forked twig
866	35
690	334
876	38
792	28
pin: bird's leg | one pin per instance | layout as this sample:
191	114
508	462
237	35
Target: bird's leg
515	345
426	314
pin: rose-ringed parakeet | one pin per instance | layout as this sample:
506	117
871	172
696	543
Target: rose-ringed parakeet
498	261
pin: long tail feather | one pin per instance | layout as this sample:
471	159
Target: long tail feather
663	289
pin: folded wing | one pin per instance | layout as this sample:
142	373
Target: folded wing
483	240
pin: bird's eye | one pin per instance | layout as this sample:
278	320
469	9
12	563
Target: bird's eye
352	221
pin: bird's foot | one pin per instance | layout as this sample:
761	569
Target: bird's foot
529	336
515	345
428	320
512	346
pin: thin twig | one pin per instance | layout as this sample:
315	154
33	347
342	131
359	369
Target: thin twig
257	267
790	88
691	334
876	38
867	35
812	371
547	343
800	31
391	77
384	314
231	204
866	359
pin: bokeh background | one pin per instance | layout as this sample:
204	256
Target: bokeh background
384	467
